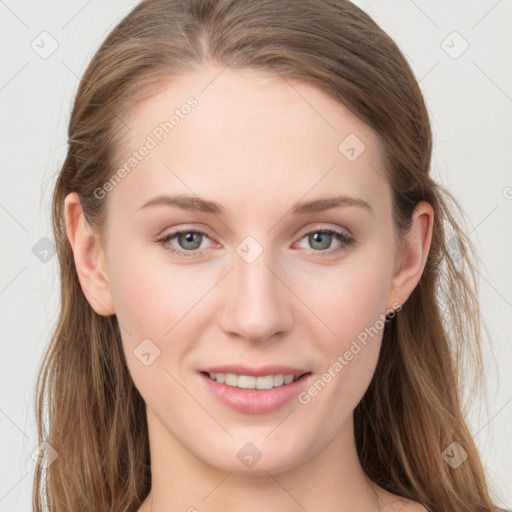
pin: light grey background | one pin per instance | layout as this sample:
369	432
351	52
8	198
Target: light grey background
469	95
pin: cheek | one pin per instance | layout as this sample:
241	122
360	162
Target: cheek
159	302
147	307
351	301
351	297
150	296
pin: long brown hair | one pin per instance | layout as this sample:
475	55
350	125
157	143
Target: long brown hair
88	408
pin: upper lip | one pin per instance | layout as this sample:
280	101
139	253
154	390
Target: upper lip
256	372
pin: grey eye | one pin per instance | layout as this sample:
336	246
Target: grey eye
320	240
189	240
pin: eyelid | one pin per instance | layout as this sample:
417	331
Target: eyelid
198	228
324	227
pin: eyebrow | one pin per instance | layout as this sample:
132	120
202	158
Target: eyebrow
194	203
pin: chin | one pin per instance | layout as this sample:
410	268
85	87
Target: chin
260	456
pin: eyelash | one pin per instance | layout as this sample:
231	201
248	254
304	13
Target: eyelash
344	239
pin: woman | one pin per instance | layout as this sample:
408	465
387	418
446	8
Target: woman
259	296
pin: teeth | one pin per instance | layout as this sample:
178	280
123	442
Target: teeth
251	382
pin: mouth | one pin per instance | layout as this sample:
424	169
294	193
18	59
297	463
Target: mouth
252	382
255	391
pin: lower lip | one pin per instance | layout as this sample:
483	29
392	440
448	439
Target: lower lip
255	401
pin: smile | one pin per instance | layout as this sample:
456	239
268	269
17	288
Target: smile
255	394
252	382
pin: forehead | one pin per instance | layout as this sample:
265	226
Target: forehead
246	138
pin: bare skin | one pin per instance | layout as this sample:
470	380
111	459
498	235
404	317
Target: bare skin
257	145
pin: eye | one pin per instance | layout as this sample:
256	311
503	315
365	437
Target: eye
321	239
189	242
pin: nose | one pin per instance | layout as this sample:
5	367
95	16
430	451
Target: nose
258	302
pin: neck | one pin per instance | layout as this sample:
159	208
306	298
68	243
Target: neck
331	479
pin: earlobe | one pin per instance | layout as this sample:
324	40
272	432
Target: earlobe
89	257
416	246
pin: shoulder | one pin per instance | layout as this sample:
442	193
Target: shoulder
404	505
394	503
414	506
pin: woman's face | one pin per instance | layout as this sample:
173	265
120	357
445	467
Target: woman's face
260	280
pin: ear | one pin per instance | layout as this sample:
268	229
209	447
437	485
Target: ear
89	257
413	257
